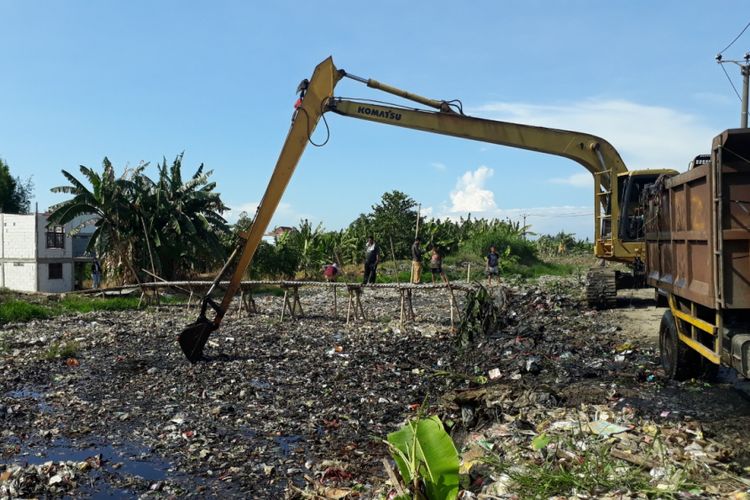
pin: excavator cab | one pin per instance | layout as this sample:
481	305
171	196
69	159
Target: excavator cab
631	186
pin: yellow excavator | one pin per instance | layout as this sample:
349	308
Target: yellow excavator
618	221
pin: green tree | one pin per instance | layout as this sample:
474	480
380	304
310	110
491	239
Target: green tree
176	223
15	194
108	202
393	220
309	243
184	219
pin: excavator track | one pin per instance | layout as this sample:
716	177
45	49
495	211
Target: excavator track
601	288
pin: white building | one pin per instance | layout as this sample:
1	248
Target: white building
35	258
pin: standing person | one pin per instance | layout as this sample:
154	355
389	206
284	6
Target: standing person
372	257
416	261
436	265
96	273
493	265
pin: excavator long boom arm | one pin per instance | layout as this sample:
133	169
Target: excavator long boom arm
594	153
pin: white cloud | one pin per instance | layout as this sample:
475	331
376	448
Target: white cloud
440	167
581	179
470	194
646	136
714	98
426	212
235	210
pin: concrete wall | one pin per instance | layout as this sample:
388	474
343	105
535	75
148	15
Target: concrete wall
17	252
52	253
18	236
57	285
19	276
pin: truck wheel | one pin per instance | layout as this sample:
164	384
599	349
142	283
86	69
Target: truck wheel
678	360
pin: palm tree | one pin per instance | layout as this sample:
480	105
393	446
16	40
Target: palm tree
108	202
170	223
309	242
185	219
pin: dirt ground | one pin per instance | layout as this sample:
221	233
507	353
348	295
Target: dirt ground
638	315
104	404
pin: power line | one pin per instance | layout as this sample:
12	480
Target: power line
735	39
555	216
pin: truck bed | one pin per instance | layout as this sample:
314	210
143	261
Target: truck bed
697	228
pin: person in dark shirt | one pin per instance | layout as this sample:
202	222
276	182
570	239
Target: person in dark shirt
493	265
416	261
372	257
436	265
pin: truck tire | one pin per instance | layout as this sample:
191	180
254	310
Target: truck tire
679	361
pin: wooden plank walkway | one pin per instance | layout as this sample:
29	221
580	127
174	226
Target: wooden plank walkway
291	301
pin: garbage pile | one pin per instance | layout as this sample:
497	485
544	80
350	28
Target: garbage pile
300	407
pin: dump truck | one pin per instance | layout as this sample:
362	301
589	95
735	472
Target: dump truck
697	235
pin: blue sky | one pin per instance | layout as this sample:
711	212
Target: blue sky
139	80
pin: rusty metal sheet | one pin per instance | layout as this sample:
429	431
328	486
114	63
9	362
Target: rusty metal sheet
682	240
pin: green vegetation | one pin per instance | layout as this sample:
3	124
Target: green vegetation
427	459
77	303
176	228
20	311
61	350
14	310
592	471
479	318
15	193
170	225
303	251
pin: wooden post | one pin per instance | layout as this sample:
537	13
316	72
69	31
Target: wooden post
283	307
359	303
296	303
468	273
349	307
454	304
401	293
250	305
354	303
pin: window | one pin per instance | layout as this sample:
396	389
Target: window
55	237
55	271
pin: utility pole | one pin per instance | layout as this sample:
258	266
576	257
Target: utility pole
745	72
524	226
419	212
745	80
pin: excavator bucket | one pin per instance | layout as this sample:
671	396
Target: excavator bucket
194	337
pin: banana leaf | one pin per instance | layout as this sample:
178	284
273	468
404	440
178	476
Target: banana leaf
425	444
